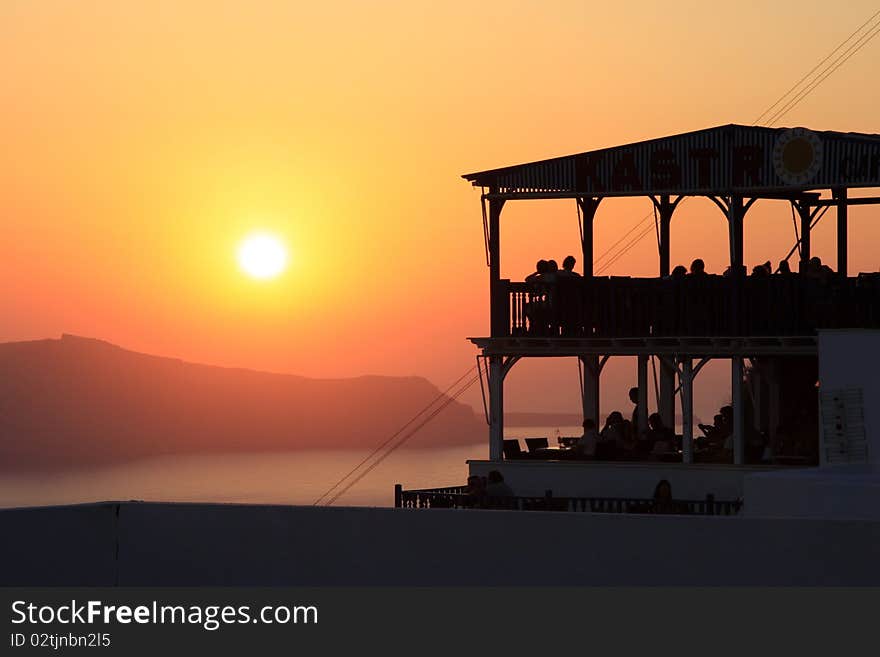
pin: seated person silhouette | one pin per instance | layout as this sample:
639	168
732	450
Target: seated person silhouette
497	487
698	268
567	270
662	501
540	270
616	436
659	438
586	446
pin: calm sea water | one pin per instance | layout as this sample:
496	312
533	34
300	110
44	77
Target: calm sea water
297	477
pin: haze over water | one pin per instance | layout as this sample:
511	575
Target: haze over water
296	477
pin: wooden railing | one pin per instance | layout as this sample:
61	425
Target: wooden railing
457	497
705	306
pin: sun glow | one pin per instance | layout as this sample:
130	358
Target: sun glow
262	256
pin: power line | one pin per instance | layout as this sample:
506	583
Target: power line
439	397
840	61
403	440
814	69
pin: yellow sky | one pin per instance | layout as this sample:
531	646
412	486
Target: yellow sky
142	141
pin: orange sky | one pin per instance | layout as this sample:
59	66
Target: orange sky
142	141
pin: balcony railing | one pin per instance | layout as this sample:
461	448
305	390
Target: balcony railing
457	497
613	307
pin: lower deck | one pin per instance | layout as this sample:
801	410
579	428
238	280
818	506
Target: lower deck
629	480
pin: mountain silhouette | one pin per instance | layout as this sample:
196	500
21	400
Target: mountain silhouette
77	401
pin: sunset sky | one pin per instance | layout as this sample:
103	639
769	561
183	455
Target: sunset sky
141	142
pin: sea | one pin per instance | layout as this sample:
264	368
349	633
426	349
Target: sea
295	477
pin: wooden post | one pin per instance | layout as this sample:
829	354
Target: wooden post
735	218
687	410
398	495
842	207
736	384
591	388
496	408
665	208
643	395
735	215
498	319
804	212
588	206
667	392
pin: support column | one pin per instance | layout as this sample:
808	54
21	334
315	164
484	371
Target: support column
667	392
687	409
735	216
736	384
588	206
496	407
842	208
804	211
665	207
592	371
498	314
642	414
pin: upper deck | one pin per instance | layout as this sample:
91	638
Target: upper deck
732	165
704	316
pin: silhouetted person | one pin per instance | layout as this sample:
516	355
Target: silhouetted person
662	501
540	270
616	435
716	432
815	269
680	271
476	491
634	421
660	437
568	268
552	272
586	446
761	271
784	268
698	267
496	486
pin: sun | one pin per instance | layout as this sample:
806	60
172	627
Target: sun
262	256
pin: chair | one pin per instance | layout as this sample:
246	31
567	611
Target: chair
510	449
534	444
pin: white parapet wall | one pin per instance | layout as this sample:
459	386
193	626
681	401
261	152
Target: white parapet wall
847	482
620	479
144	544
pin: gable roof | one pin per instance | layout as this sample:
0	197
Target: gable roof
729	159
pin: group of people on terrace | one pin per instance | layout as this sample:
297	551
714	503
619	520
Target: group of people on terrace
781	301
814	268
549	272
623	439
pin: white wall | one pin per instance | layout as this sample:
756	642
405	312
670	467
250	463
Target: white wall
203	544
851	358
847	359
619	479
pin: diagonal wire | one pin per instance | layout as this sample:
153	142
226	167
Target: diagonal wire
863	41
393	436
814	69
402	441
